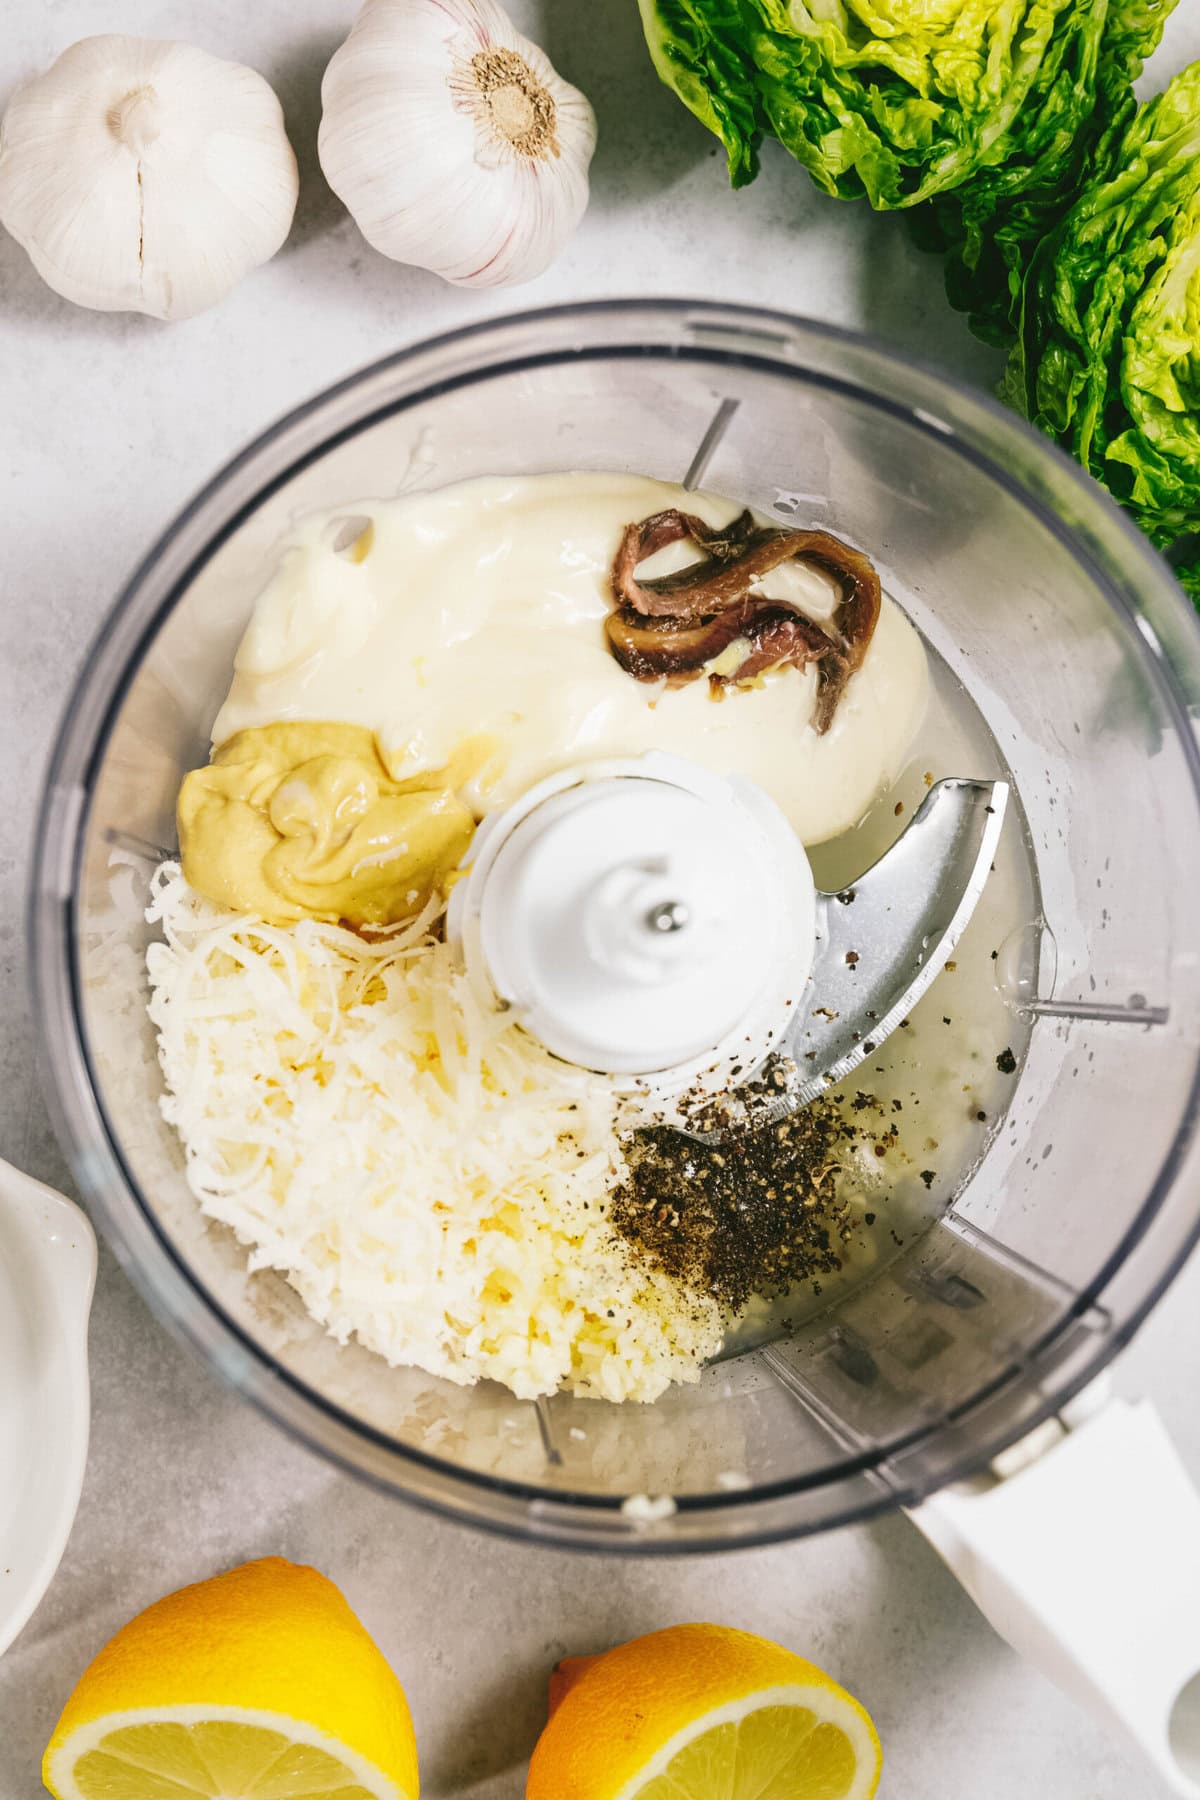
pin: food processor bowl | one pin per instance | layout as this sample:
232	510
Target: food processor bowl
1082	656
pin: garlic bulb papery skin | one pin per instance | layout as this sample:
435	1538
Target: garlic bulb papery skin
453	142
144	176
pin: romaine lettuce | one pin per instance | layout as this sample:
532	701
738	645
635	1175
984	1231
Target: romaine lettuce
894	99
696	48
1108	358
1187	574
1065	134
987	109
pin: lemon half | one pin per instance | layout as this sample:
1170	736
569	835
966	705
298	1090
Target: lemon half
260	1684
703	1712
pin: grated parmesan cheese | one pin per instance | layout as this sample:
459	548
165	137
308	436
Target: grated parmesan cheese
428	1178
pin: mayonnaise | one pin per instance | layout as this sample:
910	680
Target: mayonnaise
479	609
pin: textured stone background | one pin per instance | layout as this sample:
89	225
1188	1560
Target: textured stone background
107	425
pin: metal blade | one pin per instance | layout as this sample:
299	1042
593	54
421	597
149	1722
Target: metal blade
882	942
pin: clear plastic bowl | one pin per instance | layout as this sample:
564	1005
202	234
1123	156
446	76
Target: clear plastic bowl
1084	658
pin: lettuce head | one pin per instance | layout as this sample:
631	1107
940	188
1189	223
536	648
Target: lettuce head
1067	133
1108	358
898	100
981	112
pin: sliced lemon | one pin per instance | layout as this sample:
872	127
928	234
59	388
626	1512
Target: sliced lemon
196	1753
790	1744
258	1685
702	1712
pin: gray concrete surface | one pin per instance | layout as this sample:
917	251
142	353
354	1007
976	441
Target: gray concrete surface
107	424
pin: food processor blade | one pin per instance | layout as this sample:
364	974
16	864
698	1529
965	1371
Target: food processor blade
882	941
604	910
880	944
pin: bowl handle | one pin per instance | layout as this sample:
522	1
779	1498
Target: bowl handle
1082	1547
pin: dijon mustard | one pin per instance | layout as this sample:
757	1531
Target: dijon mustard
304	819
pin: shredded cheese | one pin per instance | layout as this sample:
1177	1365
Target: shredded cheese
428	1179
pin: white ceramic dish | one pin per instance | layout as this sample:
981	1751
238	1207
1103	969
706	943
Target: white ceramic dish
47	1273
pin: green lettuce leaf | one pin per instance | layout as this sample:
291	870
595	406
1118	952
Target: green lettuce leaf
902	100
1188	576
894	99
696	48
1066	134
1155	460
983	115
1108	357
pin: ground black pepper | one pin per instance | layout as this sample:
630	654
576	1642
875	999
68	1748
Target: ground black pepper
754	1214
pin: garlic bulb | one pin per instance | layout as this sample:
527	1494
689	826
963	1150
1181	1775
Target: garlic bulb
144	176
453	142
